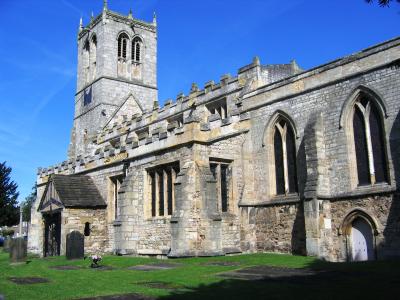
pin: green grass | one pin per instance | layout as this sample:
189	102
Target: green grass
194	280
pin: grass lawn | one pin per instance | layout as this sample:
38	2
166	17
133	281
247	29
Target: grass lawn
194	279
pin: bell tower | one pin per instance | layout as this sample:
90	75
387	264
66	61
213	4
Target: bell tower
117	60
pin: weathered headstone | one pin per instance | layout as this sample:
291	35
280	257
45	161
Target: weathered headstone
18	250
6	245
75	245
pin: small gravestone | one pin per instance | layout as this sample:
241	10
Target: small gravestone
131	296
155	267
28	280
222	263
18	250
75	245
65	267
6	245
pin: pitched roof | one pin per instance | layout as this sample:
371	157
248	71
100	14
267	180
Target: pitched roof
77	191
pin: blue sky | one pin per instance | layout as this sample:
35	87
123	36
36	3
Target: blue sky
198	41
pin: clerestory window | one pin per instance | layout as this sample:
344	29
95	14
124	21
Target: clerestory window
218	109
175	122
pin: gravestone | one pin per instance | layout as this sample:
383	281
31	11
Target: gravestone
18	250
6	245
75	245
155	267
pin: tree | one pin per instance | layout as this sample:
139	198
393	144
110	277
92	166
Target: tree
27	204
383	3
9	209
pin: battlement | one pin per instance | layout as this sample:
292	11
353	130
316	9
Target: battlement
108	14
215	106
124	142
189	118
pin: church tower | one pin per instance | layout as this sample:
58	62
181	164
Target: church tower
117	73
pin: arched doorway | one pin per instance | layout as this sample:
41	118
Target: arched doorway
361	231
52	234
362	240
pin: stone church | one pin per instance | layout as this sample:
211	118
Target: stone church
273	159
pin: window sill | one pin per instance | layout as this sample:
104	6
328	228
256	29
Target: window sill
275	200
363	190
214	117
226	121
117	223
227	215
158	218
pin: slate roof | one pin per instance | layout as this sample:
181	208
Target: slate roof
77	191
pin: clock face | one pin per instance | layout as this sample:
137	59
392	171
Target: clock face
87	96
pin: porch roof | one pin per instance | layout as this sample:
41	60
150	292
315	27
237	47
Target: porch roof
75	191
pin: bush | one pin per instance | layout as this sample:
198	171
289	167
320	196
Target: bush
8	232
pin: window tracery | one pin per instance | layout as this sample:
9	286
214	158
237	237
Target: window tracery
368	133
136	49
284	153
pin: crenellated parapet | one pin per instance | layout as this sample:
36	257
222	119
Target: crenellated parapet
108	14
202	115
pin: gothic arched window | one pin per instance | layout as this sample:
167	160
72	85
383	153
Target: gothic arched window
369	142
284	148
122	46
136	49
93	56
86	61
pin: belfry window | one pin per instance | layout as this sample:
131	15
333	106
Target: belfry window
122	46
284	158
369	143
136	49
86	61
93	56
161	181
123	56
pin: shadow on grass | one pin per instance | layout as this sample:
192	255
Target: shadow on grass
321	280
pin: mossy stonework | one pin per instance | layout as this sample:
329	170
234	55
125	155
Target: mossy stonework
269	160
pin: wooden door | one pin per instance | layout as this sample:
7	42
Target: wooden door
362	241
52	234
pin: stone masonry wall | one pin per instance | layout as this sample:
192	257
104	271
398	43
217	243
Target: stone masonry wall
277	228
329	101
384	209
75	219
139	232
230	149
